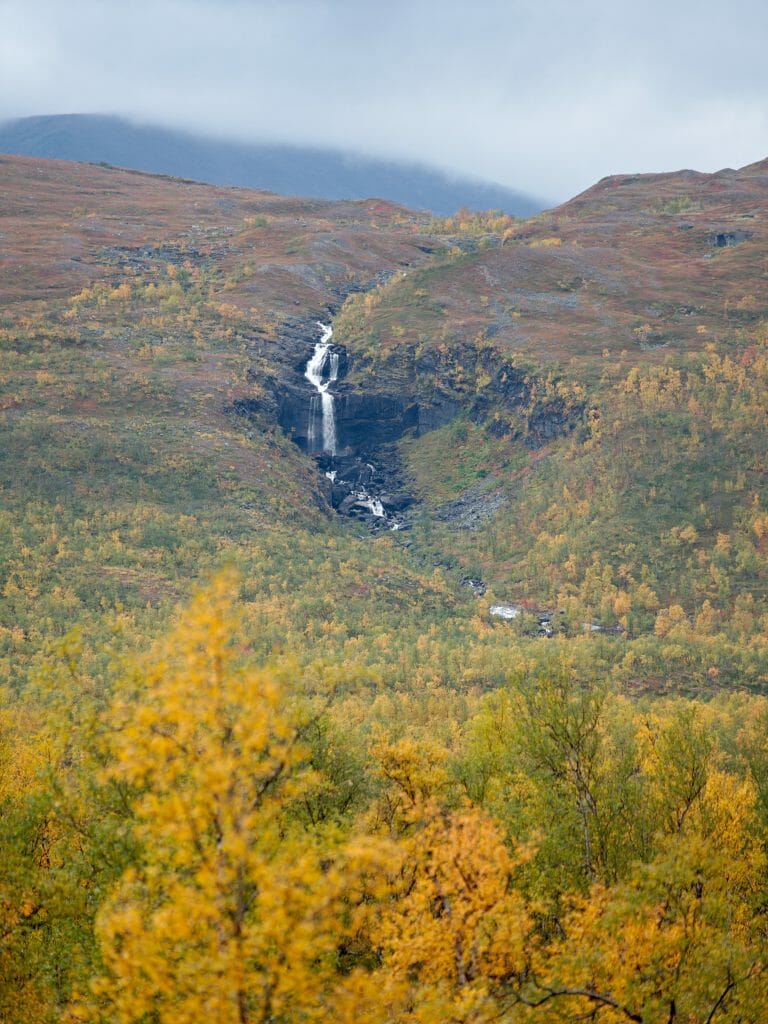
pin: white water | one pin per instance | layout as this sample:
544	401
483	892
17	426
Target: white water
325	437
321	371
505	611
374	506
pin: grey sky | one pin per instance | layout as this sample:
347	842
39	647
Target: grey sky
542	95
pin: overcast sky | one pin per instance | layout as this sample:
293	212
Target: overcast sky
543	95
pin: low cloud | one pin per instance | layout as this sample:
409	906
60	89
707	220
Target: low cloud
542	95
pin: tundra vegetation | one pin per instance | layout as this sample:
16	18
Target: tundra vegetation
259	766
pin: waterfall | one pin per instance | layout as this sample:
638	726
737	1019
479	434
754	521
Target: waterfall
358	489
312	438
325	437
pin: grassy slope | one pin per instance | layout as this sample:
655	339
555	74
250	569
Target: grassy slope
124	478
613	297
131	308
627	266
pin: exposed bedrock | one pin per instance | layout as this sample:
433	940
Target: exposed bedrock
370	406
363	421
374	492
414	391
372	415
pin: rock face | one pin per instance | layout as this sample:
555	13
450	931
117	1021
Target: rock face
409	393
374	408
363	477
373	492
729	236
368	415
363	421
548	422
366	421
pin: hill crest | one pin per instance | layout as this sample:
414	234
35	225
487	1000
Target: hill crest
289	170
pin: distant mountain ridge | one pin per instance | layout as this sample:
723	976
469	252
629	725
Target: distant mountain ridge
289	170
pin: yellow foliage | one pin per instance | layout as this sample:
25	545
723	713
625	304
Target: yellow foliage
546	243
460	929
233	913
670	620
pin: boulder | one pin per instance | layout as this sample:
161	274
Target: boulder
396	502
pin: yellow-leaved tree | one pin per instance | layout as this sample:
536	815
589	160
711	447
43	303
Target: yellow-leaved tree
460	930
25	842
234	912
683	939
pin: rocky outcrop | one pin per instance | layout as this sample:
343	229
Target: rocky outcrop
375	403
374	492
548	422
364	421
410	392
723	239
370	410
368	420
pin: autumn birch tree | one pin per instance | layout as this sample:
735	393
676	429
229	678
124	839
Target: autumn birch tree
233	912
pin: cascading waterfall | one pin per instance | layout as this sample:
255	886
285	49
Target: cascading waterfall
360	497
323	439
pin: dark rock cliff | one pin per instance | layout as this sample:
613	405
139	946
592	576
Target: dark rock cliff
378	402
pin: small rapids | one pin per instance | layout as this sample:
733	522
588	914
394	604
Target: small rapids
358	490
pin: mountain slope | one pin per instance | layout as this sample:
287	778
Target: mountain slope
621	339
290	170
335	786
651	264
153	344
